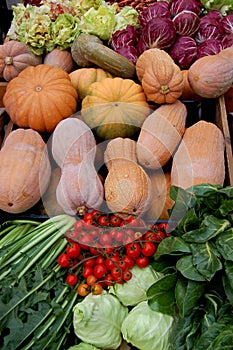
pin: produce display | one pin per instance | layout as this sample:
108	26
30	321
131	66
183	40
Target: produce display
116	197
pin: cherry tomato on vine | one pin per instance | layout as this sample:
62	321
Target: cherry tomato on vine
148	248
89	262
142	261
127	275
129	261
103	220
163	226
115	220
105	239
83	289
116	273
64	260
96	288
100	270
73	250
150	236
91	279
71	280
100	260
133	250
78	225
87	271
109	280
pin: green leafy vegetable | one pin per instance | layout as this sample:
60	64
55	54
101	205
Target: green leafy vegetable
200	253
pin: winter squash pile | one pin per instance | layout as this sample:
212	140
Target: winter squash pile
116	133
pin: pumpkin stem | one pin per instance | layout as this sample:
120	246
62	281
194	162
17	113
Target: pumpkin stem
164	89
38	88
8	60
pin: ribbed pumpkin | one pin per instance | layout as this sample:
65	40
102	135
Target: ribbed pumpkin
161	78
24	172
40	97
115	107
127	186
15	57
160	134
82	78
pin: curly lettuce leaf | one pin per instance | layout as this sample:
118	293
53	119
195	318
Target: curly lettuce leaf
64	30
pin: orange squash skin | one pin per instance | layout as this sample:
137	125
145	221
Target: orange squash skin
40	97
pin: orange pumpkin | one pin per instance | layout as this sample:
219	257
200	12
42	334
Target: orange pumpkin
40	97
82	78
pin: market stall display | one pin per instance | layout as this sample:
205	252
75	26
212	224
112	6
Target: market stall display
116	175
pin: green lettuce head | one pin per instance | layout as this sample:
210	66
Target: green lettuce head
127	16
97	320
64	30
32	26
147	329
134	291
100	22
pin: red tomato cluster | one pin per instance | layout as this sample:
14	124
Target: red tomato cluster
102	249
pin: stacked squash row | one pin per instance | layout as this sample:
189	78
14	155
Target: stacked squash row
134	127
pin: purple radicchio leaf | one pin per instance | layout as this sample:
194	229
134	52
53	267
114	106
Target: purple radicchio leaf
129	52
158	33
158	9
209	29
227	41
124	37
184	51
209	47
176	6
186	22
226	24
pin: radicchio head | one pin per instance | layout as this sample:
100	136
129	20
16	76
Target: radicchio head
158	9
184	51
176	6
209	47
159	33
186	22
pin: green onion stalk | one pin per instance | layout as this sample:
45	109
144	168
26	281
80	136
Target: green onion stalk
35	301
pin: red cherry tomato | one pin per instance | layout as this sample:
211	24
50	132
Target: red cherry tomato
91	279
133	250
148	248
109	280
127	275
64	260
71	280
114	220
73	250
129	261
87	271
142	261
100	270
103	220
116	273
105	239
100	260
90	262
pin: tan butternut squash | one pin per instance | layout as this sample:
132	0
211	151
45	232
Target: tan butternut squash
199	157
127	186
161	201
160	135
80	188
24	171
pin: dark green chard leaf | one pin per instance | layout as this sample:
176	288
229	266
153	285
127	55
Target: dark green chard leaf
224	244
161	294
187	269
209	228
205	259
187	294
226	208
172	245
227	280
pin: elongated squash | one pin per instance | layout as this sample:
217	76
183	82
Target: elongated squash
199	157
88	50
160	134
